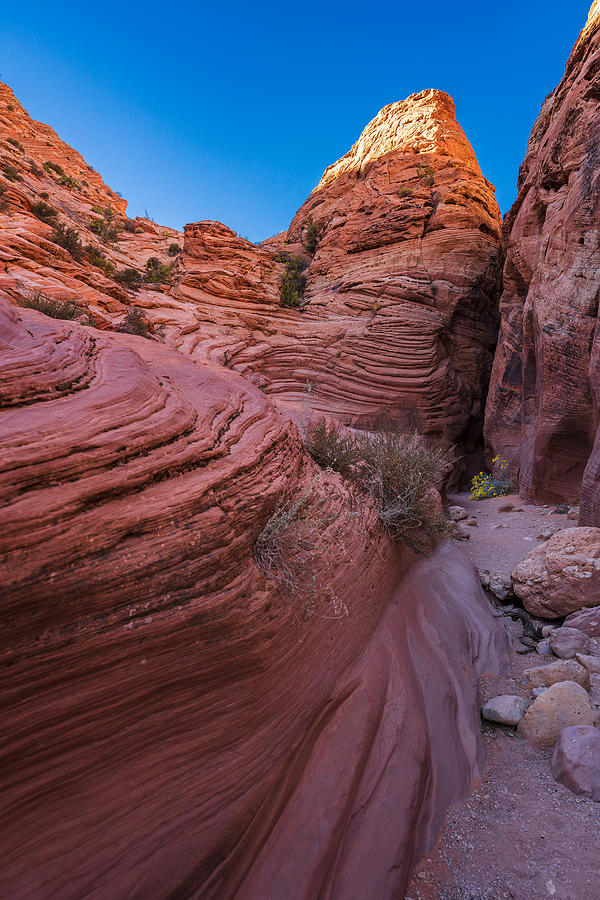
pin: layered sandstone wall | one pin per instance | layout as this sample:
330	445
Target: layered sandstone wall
401	314
542	411
173	722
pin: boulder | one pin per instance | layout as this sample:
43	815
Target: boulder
587	620
562	670
543	647
566	642
590	663
457	513
562	575
576	760
506	709
563	704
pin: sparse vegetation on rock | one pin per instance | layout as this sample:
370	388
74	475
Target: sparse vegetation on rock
157	272
55	309
68	239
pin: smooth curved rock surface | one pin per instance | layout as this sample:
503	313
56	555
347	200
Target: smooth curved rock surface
542	408
576	760
172	725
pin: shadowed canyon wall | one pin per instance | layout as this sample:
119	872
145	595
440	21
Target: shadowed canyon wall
173	724
542	410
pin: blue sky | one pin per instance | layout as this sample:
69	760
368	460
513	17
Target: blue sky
232	111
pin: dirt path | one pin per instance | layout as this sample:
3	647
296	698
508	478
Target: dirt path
520	835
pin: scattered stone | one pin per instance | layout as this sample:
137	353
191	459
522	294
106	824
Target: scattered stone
562	575
496	527
506	507
591	663
506	709
561	670
544	648
573	514
576	760
563	704
545	535
472	522
460	533
538	691
565	642
457	513
587	620
547	630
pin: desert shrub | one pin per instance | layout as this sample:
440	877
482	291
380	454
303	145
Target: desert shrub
310	237
396	469
174	249
134	323
35	169
51	167
331	446
129	225
128	278
11	173
4	204
405	192
105	226
55	309
68	238
16	144
293	282
44	212
69	181
427	174
294	550
496	484
156	271
44	195
97	258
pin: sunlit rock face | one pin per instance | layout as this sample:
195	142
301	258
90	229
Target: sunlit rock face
402	287
542	410
37	168
174	723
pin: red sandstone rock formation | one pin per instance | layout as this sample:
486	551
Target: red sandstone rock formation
172	725
29	259
542	410
401	292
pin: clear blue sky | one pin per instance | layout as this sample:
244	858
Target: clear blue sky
231	111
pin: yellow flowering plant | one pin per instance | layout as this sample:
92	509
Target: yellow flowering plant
496	484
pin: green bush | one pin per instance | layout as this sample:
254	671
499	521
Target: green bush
70	182
405	192
51	167
427	174
68	239
128	278
16	144
156	271
55	309
130	225
105	227
293	282
134	323
11	173
35	169
97	258
174	249
44	212
310	237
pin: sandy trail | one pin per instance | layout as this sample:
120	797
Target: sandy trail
520	835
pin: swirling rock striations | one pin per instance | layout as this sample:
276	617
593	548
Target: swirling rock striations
402	288
542	410
172	723
45	182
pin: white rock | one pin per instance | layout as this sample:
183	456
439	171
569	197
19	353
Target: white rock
507	709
